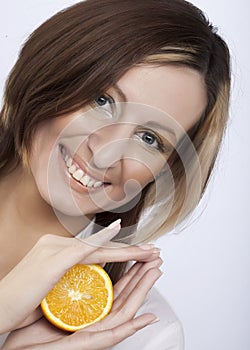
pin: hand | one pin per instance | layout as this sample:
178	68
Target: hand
129	294
47	261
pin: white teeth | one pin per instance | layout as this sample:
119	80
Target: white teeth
72	169
85	180
78	174
91	183
69	162
63	151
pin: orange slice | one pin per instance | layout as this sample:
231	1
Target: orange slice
84	295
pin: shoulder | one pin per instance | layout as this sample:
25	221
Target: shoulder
164	335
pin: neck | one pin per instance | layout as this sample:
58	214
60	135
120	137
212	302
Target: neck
25	216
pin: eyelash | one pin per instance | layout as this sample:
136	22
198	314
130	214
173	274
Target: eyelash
109	99
160	144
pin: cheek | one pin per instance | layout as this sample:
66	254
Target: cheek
45	142
136	176
39	160
144	172
42	148
39	169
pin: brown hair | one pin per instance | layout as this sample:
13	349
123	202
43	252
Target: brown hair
83	50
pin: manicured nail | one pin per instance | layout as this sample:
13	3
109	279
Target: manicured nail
115	224
147	246
156	250
155	320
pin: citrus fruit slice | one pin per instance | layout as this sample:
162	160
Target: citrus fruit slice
84	295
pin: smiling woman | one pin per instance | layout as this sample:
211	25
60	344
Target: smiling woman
113	110
103	153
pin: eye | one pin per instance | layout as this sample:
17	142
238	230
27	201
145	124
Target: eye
150	139
105	104
153	141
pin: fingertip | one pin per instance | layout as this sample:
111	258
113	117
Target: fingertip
146	320
115	225
147	246
105	235
155	320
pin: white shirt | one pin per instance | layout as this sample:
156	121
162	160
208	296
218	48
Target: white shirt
167	334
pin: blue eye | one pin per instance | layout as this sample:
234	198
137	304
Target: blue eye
150	139
101	100
105	104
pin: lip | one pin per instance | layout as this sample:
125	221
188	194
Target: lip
90	172
77	186
86	168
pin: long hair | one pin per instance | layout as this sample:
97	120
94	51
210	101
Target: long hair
82	51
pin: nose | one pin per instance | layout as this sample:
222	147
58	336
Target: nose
110	144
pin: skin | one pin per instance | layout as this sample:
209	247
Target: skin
111	148
43	208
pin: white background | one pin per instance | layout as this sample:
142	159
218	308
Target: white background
207	265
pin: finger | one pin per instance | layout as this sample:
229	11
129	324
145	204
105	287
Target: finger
126	278
105	339
33	317
113	244
132	304
128	282
61	253
123	291
105	235
73	251
121	255
40	270
80	249
40	332
149	247
135	299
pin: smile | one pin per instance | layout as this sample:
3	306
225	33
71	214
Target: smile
78	173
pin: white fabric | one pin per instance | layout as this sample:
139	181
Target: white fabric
2	338
167	334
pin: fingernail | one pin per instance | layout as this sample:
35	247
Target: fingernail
146	246
115	224
156	250
155	320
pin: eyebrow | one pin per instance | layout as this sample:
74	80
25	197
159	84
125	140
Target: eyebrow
153	124
120	93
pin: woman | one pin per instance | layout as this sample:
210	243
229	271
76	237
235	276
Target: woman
113	110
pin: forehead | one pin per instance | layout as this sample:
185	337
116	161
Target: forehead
177	91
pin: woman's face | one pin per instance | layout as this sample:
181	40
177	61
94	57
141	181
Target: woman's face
102	156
